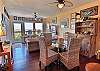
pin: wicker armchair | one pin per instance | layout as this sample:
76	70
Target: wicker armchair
47	56
70	58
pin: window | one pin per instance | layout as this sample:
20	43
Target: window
28	28
39	28
17	31
17	27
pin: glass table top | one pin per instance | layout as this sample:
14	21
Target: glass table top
59	50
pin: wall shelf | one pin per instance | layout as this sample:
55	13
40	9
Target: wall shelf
84	27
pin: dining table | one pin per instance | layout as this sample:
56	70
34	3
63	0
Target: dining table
58	50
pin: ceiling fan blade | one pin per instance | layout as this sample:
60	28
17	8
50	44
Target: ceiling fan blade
53	4
68	3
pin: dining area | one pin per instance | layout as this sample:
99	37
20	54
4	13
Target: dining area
63	54
67	53
65	50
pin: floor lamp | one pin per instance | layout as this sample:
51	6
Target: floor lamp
2	33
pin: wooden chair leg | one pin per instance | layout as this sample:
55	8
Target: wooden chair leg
58	64
78	68
75	69
40	65
46	68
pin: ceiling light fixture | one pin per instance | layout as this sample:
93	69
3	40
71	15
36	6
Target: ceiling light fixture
35	16
60	5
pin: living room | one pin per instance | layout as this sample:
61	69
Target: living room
60	35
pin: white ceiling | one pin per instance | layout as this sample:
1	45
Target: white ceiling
25	8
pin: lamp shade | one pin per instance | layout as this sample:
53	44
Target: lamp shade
2	33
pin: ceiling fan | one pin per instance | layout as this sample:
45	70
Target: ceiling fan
61	3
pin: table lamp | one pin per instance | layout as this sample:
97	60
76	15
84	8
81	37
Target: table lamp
2	33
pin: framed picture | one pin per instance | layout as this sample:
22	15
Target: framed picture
54	20
89	12
64	23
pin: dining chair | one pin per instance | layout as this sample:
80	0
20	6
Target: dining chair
48	37
47	56
70	58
